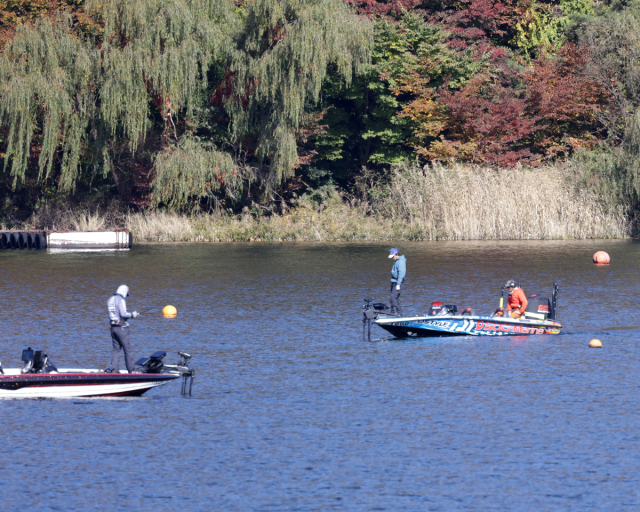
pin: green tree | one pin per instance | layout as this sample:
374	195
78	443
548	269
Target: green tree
366	125
544	26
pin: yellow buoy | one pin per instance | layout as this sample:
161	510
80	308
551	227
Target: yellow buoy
595	344
169	311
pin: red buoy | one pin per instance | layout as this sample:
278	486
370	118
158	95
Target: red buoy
601	258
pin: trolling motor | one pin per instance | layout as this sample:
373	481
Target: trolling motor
504	300
183	368
154	364
371	311
554	302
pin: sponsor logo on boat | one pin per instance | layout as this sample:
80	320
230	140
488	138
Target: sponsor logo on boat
508	328
437	323
433	323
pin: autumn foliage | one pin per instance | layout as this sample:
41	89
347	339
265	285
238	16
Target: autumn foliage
489	120
308	92
511	108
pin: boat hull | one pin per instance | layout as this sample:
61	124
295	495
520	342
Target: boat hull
443	326
79	384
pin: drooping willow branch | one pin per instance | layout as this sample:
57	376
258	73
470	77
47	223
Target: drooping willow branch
279	62
66	99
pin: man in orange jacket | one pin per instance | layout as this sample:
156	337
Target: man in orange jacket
517	302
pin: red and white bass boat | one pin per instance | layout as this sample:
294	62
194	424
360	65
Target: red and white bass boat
39	378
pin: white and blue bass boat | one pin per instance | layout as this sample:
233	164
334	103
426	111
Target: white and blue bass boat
446	320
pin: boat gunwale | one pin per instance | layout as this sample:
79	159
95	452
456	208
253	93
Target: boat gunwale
483	318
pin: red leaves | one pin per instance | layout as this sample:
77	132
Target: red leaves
569	101
227	89
505	117
223	91
309	130
493	117
391	8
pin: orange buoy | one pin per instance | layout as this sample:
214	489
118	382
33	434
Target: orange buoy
169	311
595	344
601	258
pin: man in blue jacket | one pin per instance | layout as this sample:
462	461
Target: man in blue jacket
397	279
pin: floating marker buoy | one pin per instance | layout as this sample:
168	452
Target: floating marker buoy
601	258
595	344
169	311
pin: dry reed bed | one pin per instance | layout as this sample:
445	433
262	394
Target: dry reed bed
462	202
457	202
337	222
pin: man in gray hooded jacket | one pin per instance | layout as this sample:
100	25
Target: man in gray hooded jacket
118	315
398	272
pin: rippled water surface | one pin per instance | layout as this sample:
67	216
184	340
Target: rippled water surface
293	410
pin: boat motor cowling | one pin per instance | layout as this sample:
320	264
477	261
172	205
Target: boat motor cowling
438	308
539	308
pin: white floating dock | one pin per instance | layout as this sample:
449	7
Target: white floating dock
90	240
66	240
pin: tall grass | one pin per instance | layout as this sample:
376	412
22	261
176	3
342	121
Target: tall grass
457	202
462	202
304	223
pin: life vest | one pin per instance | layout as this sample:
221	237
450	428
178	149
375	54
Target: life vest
517	300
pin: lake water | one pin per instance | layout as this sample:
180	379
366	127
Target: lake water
293	410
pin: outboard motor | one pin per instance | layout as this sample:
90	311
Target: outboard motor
438	308
541	308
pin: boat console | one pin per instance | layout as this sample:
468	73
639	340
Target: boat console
36	361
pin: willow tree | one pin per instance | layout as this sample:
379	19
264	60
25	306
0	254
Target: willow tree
281	56
84	95
68	100
281	53
47	78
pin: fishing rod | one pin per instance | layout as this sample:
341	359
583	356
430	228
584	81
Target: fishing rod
150	310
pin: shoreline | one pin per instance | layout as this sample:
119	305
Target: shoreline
386	242
434	202
430	203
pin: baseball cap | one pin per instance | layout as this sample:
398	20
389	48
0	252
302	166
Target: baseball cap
393	252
